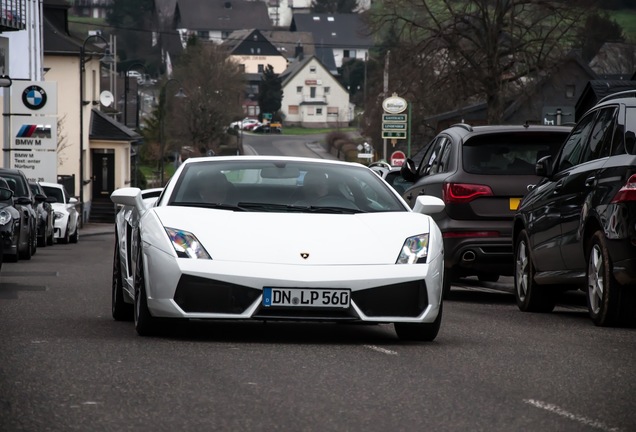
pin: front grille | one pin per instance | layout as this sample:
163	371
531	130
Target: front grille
196	294
296	313
408	299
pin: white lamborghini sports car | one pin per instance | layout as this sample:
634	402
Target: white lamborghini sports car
277	238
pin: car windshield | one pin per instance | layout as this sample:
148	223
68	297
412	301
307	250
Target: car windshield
509	154
283	186
54	192
16	184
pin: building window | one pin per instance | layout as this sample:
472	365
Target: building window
570	90
318	111
312	92
261	68
327	90
349	53
332	111
242	68
292	110
312	69
299	89
310	110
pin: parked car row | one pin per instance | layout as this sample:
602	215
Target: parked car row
552	206
33	215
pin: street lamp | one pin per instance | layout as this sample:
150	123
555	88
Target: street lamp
107	58
126	86
162	114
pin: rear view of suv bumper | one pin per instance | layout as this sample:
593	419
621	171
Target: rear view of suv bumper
472	256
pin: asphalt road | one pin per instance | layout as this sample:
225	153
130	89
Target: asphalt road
65	365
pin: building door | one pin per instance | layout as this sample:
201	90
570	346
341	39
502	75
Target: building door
103	174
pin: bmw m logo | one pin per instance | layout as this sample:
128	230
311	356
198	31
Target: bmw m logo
34	97
304	255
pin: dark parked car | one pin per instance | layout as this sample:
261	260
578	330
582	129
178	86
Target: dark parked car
9	223
24	202
577	228
46	215
481	173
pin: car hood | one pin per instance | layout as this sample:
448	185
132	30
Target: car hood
364	238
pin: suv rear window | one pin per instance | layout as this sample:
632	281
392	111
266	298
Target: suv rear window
509	153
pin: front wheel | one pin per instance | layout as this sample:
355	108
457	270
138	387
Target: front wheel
421	332
145	323
530	296
121	310
608	303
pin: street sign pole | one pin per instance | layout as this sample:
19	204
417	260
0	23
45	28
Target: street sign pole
408	131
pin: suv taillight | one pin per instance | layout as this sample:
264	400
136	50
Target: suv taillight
627	192
463	192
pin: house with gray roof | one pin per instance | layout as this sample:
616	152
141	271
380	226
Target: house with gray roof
338	38
313	97
215	20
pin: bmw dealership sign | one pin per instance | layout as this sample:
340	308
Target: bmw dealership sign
33	97
32	138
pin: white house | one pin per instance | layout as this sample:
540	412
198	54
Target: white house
312	97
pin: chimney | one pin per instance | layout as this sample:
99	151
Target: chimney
298	53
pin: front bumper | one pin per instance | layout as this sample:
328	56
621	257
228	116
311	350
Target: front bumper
210	289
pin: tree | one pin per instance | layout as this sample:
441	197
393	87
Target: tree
334	6
270	94
131	20
214	88
476	49
598	29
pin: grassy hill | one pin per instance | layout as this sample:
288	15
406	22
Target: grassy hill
627	19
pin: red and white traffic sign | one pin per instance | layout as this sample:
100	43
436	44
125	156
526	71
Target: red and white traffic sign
397	158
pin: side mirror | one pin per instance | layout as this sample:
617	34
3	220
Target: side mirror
543	168
23	200
73	200
39	198
408	171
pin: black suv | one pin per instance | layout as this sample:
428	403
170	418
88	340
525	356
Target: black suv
577	228
24	202
481	173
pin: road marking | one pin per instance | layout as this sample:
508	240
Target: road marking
381	350
560	411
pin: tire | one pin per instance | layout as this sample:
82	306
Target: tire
608	303
26	254
421	332
65	239
447	281
145	323
50	239
34	243
74	238
42	240
530	296
121	310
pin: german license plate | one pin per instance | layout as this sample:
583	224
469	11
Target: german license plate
306	297
514	203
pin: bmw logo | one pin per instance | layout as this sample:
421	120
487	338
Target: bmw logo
34	97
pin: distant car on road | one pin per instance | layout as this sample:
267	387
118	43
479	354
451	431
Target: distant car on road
244	124
576	228
66	214
481	173
278	238
46	215
10	220
24	202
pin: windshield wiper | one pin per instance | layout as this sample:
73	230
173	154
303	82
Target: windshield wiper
297	208
221	206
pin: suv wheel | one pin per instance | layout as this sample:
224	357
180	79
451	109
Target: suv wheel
608	303
530	296
26	253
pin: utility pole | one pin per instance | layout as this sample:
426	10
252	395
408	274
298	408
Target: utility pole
386	94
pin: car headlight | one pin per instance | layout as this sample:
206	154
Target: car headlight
186	244
414	250
59	215
5	217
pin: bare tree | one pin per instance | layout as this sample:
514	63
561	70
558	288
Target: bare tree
478	49
62	142
214	87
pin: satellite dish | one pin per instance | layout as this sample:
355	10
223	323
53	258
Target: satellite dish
106	98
